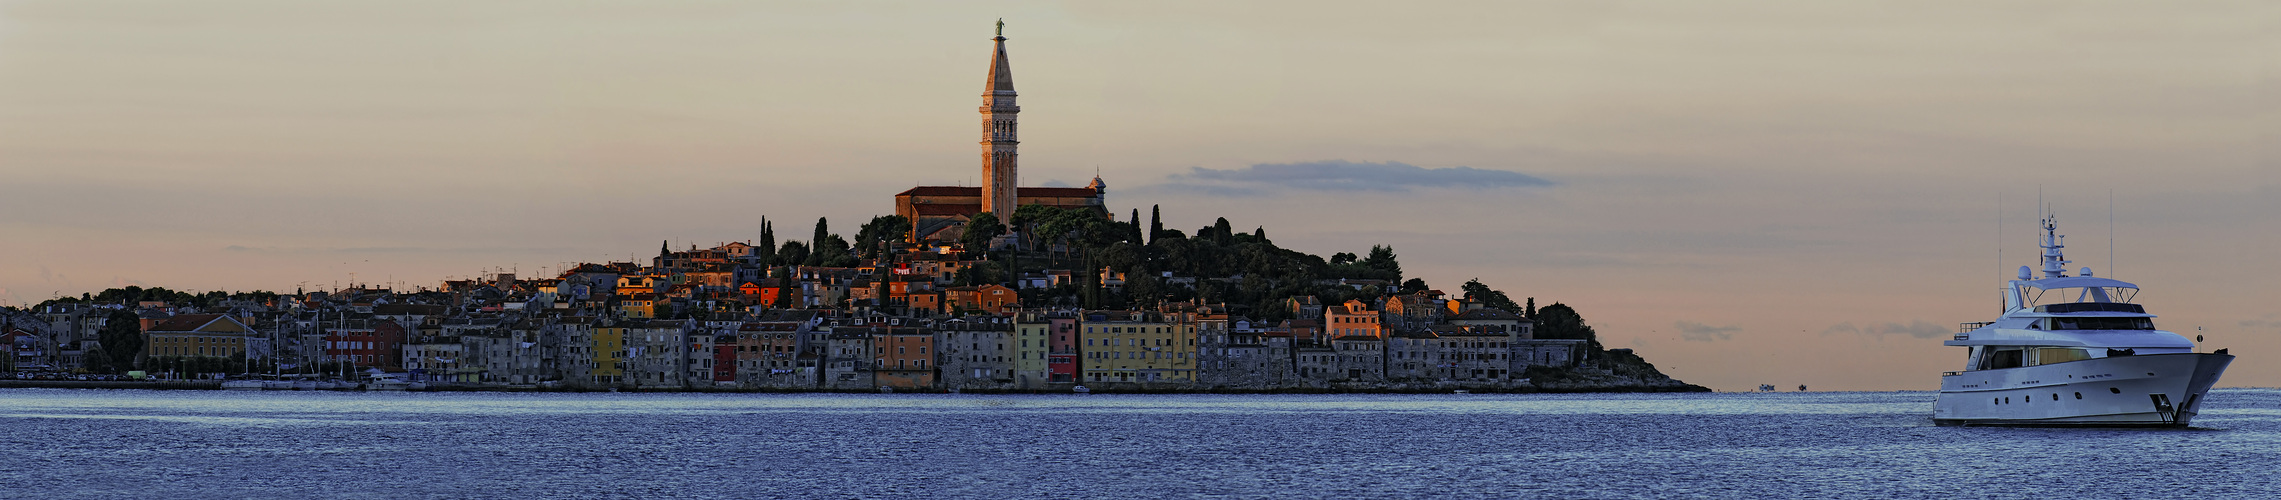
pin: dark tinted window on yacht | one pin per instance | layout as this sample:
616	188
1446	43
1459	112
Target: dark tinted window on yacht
2007	358
2098	324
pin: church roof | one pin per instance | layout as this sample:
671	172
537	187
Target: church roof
1043	192
1001	76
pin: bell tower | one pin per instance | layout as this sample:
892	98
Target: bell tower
999	176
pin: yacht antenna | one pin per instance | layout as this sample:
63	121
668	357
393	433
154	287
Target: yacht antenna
2110	232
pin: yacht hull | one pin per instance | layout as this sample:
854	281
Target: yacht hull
2153	390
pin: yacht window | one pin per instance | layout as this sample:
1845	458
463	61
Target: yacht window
2005	358
2051	355
2097	323
2078	395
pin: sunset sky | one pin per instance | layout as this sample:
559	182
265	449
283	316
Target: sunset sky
1745	192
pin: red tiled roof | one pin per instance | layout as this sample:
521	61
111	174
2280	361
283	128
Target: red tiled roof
184	323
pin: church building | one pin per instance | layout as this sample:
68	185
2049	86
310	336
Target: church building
941	212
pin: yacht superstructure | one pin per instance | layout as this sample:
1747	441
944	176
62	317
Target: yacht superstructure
2074	351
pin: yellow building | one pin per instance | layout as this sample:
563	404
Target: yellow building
637	305
1138	346
197	335
609	355
1032	344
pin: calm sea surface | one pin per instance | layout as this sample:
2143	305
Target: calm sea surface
57	443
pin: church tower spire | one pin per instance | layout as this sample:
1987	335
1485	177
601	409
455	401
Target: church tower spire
998	141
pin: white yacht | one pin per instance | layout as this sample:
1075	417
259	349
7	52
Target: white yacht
2074	351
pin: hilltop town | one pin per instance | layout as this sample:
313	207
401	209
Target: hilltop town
988	288
928	316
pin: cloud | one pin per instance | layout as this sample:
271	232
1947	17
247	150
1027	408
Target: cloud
392	250
1920	329
1347	176
1698	332
1054	183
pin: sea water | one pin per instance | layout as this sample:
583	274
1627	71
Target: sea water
57	443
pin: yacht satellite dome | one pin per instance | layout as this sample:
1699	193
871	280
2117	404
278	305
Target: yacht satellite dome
2086	272
2025	273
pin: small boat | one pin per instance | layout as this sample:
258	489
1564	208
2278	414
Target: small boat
304	385
1765	387
1461	391
241	385
387	384
1080	390
276	385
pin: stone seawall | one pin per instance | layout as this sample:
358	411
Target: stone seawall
113	384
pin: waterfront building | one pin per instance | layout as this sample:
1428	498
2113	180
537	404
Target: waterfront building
570	349
768	354
433	359
609	355
1360	358
1561	353
1033	348
658	353
1473	353
365	343
198	335
1316	365
1138	346
881	355
1414	356
1065	360
977	353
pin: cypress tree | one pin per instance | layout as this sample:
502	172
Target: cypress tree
1135	234
1155	223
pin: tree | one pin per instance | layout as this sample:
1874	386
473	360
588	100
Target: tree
1134	235
767	239
1155	223
979	231
884	228
1415	285
823	228
1342	258
1382	258
791	253
1558	321
122	339
1477	292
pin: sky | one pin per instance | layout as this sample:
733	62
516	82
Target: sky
1746	192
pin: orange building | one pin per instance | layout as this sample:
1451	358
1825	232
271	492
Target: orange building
1354	318
903	358
991	299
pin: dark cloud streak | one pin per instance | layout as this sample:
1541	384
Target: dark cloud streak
1347	176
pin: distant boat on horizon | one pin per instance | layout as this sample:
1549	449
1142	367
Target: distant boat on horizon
2087	356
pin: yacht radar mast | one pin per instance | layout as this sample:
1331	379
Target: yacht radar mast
2054	262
